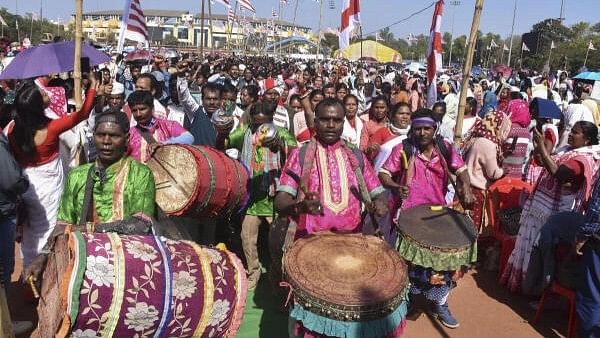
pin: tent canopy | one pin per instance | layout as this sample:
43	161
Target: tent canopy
371	49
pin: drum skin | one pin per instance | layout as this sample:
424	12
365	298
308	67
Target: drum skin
437	237
346	277
198	181
132	286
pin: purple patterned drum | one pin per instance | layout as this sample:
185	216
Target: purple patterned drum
143	286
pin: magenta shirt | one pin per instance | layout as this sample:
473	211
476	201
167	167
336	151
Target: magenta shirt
161	130
331	176
429	183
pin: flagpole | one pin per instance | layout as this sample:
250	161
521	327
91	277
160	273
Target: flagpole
512	31
294	24
276	32
202	30
210	23
77	59
467	70
586	55
550	54
521	57
319	31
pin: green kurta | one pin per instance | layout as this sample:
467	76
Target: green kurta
260	204
127	190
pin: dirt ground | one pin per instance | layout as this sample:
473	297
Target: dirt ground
483	308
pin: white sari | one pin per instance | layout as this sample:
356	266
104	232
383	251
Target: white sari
41	201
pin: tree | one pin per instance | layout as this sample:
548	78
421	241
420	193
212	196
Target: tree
386	35
170	40
331	41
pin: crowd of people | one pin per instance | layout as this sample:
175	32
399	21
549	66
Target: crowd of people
349	138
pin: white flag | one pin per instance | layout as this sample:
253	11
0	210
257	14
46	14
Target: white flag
524	47
552	46
505	48
493	44
590	46
4	23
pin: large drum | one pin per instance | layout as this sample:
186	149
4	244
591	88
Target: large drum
437	237
198	180
106	285
348	285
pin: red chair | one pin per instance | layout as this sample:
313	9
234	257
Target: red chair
556	287
505	193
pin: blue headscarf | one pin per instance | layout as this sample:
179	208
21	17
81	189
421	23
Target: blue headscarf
490	102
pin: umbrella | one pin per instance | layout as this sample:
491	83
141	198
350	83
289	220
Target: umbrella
48	59
139	54
593	76
504	69
546	108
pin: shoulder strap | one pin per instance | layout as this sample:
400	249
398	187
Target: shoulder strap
87	197
146	135
443	148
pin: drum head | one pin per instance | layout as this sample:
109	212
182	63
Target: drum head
349	270
176	178
444	229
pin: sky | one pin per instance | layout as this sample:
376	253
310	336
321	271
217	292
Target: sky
375	14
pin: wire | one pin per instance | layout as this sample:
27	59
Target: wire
402	20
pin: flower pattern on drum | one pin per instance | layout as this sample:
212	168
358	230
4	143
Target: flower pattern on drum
84	334
219	312
141	251
141	317
100	272
184	285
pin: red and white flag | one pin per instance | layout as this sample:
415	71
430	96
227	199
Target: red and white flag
434	53
230	15
591	46
133	25
524	47
274	13
246	4
350	21
222	2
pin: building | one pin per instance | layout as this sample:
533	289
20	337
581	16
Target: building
104	27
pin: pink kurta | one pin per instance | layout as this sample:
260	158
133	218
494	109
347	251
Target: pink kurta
160	129
429	182
331	176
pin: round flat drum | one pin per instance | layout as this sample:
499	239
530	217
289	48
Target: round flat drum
346	271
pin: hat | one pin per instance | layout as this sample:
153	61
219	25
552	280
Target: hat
117	88
242	67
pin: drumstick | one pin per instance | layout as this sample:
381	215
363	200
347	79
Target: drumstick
31	282
370	210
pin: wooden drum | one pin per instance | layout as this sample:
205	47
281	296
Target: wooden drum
106	285
348	285
198	181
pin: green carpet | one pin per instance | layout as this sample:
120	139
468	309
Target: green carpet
264	316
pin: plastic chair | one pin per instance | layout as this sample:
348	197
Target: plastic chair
505	193
556	287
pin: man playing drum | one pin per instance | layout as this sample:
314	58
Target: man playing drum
319	186
418	171
121	187
263	155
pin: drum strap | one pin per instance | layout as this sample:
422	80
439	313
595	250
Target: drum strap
86	208
146	135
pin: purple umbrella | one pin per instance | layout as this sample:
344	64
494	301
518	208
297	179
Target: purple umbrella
50	58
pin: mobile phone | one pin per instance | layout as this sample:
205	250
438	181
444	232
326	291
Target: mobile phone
85	64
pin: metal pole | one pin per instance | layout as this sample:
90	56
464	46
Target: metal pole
319	31
293	24
467	70
562	7
586	56
202	31
512	30
210	22
277	37
453	3
77	60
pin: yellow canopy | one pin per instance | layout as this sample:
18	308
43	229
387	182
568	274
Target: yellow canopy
371	49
